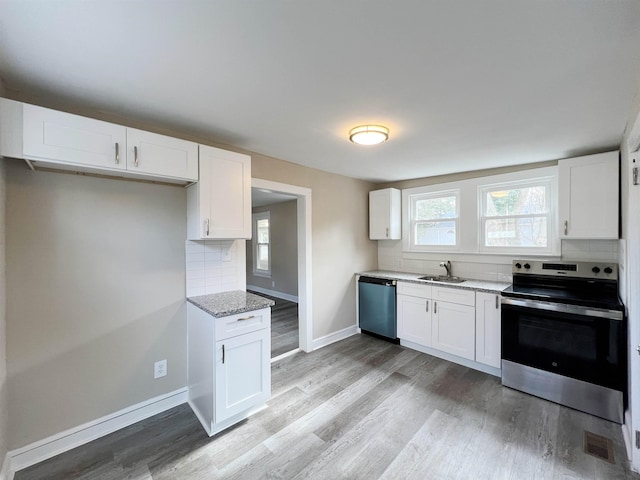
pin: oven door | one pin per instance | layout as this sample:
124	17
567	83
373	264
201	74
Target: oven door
580	343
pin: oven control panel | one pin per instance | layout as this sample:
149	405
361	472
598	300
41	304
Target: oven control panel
566	269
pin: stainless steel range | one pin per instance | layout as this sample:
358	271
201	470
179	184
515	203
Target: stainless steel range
564	335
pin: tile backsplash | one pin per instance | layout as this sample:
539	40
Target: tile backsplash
485	267
214	266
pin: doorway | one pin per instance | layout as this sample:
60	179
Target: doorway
285	274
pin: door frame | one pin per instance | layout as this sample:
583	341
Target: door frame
303	208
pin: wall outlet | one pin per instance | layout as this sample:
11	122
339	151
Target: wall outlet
273	283
226	253
160	369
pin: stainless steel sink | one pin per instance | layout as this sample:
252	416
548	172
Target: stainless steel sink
442	278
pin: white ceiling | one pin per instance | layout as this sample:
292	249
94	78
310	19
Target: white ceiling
462	84
261	197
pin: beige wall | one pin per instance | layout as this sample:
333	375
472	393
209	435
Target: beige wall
95	290
284	250
3	323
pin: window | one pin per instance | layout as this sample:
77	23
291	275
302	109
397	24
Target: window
261	244
434	219
517	216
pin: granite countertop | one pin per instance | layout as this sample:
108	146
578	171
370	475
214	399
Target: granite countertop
478	285
230	303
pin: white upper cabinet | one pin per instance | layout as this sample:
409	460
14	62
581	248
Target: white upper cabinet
59	137
160	155
219	205
384	214
589	196
71	142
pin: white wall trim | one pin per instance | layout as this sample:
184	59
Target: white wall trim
496	372
74	437
335	337
273	293
305	291
5	472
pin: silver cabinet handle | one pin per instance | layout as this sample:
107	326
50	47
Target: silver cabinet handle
497	302
566	226
223	353
387	232
117	153
435	307
135	156
246	318
206	227
427	306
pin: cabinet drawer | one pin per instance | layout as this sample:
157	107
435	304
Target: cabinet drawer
454	295
413	289
233	325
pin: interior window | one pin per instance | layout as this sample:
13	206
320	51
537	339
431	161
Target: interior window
434	220
517	216
261	244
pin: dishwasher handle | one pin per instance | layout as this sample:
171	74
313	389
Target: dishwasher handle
378	281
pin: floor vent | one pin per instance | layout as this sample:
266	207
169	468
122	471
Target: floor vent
598	446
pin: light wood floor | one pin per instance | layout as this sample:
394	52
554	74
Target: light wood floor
360	409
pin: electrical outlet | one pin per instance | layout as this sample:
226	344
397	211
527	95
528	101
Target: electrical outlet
273	283
226	253
160	368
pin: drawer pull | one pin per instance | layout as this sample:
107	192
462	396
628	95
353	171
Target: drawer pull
246	318
223	353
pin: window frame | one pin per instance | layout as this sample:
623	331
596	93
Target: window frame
550	183
412	199
256	217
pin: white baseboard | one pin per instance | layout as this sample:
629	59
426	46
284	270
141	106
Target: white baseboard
496	372
5	472
273	293
335	337
74	437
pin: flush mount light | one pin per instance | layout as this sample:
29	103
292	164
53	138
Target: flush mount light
369	134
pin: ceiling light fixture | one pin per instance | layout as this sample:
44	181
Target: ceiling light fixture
369	134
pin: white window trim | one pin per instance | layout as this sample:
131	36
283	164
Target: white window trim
420	195
254	241
553	246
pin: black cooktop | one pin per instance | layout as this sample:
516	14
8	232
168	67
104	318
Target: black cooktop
574	283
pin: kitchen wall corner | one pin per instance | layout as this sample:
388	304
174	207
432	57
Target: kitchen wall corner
4	414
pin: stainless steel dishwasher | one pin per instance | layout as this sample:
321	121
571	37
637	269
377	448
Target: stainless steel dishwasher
377	306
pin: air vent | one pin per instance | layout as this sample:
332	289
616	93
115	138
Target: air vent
598	446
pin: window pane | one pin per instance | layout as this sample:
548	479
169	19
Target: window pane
519	201
435	233
434	208
516	232
262	262
263	230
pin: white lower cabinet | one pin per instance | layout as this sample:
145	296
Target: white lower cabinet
458	324
242	376
229	371
488	335
414	319
454	329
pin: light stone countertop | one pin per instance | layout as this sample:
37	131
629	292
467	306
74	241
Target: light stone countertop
230	303
478	285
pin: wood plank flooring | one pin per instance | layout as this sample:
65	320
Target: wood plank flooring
284	325
361	408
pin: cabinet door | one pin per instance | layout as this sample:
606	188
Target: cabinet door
224	193
60	137
162	156
414	319
384	214
488	333
454	329
588	196
243	373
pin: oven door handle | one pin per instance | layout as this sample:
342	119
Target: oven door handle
563	308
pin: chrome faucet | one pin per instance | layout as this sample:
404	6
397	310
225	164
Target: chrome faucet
447	265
